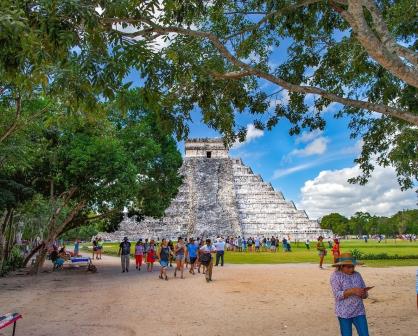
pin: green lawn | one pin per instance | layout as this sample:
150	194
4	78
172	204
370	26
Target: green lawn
300	254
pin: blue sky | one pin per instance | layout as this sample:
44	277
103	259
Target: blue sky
311	169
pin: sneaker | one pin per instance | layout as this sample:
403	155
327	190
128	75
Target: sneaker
123	271
127	270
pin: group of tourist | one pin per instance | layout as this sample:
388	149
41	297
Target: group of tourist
191	253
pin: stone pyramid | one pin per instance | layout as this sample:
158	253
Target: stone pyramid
221	196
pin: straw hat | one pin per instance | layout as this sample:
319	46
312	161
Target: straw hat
346	259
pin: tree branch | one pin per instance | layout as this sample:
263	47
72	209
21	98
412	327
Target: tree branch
270	15
12	127
354	15
384	109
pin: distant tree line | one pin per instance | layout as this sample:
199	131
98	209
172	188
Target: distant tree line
361	223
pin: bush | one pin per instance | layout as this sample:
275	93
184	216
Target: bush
379	256
14	261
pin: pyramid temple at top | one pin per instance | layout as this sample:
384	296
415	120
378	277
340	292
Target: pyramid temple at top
221	196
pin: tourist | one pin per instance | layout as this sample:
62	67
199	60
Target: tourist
284	244
244	244
349	291
192	254
76	248
163	254
322	251
250	244
206	258
94	248
239	244
257	244
336	250
99	248
273	244
124	252
179	252
199	253
151	256
171	246
146	248
416	285
139	253
307	244
220	251
330	242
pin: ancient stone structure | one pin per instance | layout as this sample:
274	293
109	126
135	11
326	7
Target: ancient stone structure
222	196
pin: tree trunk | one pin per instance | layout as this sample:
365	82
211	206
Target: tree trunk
40	259
32	253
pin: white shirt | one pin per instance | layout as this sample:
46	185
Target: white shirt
220	246
207	249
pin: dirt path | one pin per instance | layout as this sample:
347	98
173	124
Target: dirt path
242	300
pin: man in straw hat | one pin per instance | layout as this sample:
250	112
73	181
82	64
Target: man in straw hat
349	291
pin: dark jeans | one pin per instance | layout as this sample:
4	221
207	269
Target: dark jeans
219	255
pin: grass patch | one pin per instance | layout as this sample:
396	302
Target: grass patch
394	251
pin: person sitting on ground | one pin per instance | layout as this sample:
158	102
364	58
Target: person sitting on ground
349	292
56	259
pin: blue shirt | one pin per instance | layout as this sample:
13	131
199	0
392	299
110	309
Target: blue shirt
192	249
417	282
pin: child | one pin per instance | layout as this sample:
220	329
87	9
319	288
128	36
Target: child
151	256
139	253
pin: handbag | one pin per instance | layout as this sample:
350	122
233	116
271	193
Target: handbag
205	258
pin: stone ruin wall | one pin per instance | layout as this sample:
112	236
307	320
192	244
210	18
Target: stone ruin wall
222	196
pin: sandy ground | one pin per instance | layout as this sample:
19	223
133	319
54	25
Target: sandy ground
242	300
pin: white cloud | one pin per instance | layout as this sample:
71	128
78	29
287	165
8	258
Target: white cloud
252	134
330	192
308	136
316	147
288	171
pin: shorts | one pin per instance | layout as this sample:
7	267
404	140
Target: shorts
164	263
193	260
179	257
322	253
94	248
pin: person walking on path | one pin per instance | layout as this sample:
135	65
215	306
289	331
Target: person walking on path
220	251
192	254
139	253
171	246
349	292
336	250
164	254
322	250
76	247
307	244
94	248
146	248
206	258
99	248
180	253
151	256
124	252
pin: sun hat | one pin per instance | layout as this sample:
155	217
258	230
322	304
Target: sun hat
346	259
